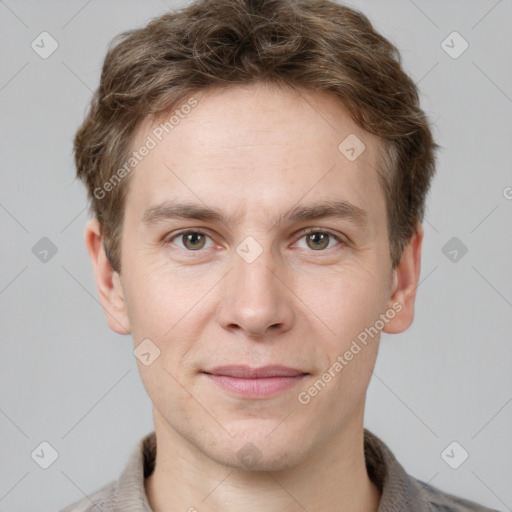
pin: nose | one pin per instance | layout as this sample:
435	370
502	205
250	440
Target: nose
255	299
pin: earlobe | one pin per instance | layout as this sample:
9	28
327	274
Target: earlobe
108	283
405	281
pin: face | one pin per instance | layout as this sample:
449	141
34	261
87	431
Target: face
277	256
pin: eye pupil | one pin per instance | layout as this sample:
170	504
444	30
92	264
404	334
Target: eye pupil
323	238
190	240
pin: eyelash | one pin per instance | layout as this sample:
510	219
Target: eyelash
303	233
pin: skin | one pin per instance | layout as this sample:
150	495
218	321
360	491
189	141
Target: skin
254	152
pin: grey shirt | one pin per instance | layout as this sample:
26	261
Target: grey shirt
400	491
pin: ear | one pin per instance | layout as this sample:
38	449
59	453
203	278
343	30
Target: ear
108	281
405	283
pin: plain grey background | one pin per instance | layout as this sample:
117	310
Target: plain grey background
67	380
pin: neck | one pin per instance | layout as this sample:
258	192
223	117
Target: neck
333	479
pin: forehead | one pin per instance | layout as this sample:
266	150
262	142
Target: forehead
262	145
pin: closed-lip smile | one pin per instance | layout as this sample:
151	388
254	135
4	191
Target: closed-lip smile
253	383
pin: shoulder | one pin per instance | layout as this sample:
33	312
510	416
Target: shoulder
102	499
401	491
441	501
128	490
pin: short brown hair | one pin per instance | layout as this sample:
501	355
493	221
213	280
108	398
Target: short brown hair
317	45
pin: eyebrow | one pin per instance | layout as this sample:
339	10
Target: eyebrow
168	210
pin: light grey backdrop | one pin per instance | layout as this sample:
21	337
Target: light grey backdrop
65	379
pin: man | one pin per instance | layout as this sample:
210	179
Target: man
257	174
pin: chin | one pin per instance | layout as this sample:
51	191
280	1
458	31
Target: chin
250	458
258	452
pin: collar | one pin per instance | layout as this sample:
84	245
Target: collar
399	491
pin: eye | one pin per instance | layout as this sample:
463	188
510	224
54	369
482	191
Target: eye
191	240
319	240
194	240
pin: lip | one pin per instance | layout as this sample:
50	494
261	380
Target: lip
247	372
255	383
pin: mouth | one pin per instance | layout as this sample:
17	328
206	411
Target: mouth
255	383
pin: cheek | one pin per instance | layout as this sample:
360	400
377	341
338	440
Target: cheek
158	300
345	301
350	308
